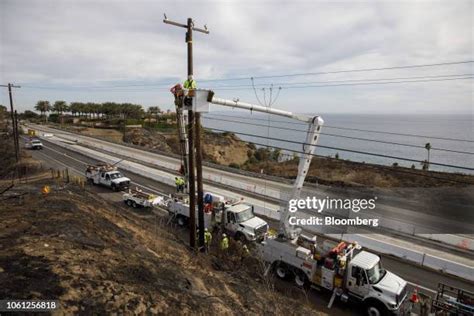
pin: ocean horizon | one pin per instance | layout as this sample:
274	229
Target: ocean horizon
448	134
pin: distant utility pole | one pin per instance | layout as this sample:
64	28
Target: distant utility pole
194	144
14	120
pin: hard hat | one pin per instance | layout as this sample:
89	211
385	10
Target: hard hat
205	229
224	235
190	77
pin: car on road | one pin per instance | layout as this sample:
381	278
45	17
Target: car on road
34	144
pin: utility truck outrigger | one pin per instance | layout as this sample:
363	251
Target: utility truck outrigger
350	275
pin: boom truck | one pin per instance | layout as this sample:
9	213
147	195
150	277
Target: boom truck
350	273
235	217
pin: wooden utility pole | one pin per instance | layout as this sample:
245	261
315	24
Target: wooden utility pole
14	120
193	137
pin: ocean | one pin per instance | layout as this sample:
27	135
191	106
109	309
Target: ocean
428	128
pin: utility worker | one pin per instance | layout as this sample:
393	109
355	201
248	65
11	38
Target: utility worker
176	182
177	91
207	239
182	183
179	184
189	83
224	242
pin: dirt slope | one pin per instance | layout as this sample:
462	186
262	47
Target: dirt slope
98	258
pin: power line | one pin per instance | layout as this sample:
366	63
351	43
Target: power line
246	87
361	84
346	80
265	77
345	150
397	170
354	129
343	71
344	136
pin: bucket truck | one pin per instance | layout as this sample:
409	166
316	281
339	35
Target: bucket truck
351	274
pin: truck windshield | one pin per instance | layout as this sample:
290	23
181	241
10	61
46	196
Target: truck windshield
115	175
376	273
244	215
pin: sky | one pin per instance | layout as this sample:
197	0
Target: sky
121	51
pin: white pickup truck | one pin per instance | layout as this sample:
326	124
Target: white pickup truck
239	218
108	176
34	143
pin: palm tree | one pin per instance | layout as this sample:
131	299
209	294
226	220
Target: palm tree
428	148
43	107
74	108
60	107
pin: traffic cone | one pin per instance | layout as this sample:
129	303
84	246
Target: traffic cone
414	296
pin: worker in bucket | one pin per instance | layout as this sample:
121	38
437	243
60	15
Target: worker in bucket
189	83
224	242
207	239
177	91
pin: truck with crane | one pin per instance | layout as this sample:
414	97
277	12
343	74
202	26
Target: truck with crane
236	218
350	273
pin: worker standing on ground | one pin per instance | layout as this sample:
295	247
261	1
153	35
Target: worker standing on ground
224	242
207	239
179	182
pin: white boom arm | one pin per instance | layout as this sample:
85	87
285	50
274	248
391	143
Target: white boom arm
314	128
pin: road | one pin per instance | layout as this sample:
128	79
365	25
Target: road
448	210
53	156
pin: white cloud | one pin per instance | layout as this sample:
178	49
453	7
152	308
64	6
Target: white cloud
61	43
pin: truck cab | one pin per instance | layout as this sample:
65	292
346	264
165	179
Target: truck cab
241	223
367	281
114	179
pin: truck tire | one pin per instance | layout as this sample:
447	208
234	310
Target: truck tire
376	308
301	280
134	204
281	270
129	202
240	237
182	221
114	188
90	181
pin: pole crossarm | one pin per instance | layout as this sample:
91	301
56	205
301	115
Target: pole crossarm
197	29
